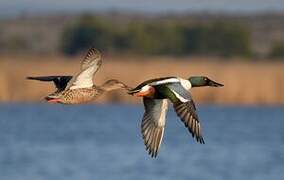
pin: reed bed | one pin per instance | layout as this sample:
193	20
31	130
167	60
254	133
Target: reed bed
245	82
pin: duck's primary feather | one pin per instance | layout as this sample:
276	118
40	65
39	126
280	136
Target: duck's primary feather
153	124
187	113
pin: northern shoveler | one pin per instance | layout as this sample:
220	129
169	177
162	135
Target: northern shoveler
156	93
80	88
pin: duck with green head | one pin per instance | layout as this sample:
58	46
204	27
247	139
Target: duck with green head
156	93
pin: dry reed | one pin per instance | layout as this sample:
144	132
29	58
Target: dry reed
245	83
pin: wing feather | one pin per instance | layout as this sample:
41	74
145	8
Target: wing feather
89	67
60	82
93	58
188	115
153	123
185	108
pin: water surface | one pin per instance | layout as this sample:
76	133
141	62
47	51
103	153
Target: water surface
47	142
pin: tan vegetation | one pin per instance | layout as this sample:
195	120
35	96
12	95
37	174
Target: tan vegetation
245	83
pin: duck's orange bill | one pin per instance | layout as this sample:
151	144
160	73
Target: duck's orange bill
55	100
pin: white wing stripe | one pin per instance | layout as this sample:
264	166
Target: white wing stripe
179	97
171	80
164	108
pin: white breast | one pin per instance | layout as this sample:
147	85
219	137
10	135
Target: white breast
185	83
145	88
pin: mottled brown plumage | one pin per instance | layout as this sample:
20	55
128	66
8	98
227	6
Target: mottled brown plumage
80	88
83	95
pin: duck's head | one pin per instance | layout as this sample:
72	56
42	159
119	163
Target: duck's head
114	84
198	81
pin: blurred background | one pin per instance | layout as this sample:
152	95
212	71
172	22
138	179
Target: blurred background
237	43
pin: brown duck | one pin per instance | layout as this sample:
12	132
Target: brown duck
80	88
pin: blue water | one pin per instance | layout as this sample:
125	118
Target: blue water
50	142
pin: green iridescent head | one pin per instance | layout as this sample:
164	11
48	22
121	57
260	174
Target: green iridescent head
198	81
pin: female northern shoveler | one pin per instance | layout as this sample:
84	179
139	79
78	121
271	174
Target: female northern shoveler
155	93
80	88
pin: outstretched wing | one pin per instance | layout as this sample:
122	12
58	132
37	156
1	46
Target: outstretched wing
89	67
153	124
59	81
184	107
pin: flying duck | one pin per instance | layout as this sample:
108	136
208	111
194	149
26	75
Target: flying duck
156	93
80	88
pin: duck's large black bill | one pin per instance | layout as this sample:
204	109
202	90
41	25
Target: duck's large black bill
132	91
127	88
215	84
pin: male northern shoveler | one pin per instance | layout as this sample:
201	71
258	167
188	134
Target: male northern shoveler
155	93
80	88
